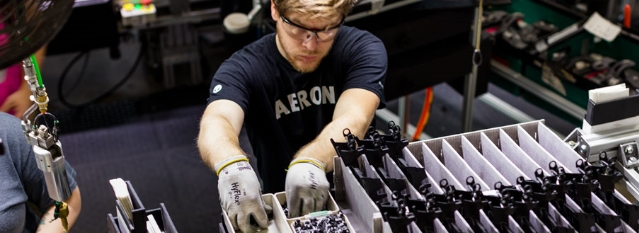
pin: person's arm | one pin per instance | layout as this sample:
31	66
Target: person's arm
306	183
354	110
74	204
237	184
219	129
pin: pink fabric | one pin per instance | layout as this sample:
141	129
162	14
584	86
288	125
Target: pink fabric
11	81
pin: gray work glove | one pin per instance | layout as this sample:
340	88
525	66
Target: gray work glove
240	193
306	187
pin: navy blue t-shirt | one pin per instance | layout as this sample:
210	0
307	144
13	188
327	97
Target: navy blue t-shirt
284	109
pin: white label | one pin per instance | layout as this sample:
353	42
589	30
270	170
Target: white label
541	46
601	27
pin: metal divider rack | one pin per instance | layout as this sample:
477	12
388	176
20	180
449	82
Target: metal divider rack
121	224
517	178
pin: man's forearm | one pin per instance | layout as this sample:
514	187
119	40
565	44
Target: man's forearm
321	147
217	140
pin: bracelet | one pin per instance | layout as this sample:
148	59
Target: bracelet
233	160
315	162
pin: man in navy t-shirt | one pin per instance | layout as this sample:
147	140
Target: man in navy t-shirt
279	101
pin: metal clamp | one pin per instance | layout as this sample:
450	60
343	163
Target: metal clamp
628	155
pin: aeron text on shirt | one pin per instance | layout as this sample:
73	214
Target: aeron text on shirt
302	99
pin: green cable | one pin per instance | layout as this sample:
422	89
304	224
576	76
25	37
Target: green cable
37	70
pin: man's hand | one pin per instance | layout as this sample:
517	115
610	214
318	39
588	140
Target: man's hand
306	187
240	193
17	103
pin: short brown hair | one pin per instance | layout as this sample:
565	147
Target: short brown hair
316	8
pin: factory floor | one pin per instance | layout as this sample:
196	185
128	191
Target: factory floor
145	133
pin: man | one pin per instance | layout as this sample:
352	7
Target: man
26	206
281	99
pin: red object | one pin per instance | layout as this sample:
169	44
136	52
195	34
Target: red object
145	2
492	30
423	118
626	16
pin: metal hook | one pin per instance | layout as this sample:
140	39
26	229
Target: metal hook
470	181
552	165
539	173
476	187
580	163
443	183
345	132
603	155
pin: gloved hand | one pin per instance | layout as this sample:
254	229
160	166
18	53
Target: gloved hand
306	187
240	193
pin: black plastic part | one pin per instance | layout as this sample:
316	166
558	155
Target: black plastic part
347	152
629	213
375	188
614	110
582	222
424	214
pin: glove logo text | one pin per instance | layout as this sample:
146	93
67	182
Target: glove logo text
244	167
236	192
312	179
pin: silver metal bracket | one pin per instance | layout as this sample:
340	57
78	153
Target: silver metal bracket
628	155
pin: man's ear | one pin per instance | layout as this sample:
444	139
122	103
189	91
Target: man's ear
274	13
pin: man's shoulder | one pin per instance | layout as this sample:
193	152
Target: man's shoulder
351	40
354	38
258	48
356	33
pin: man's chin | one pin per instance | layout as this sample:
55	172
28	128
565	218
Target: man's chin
306	68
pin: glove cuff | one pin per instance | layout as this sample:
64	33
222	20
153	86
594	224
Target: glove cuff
220	166
315	162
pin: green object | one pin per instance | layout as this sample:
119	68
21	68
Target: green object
37	70
319	213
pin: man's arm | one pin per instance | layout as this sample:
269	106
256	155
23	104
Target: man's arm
219	129
74	204
220	149
354	110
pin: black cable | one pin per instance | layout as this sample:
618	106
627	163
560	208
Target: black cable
64	75
66	70
108	92
79	78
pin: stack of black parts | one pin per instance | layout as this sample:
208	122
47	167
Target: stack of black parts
555	199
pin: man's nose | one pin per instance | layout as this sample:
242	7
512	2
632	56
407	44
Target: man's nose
311	42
